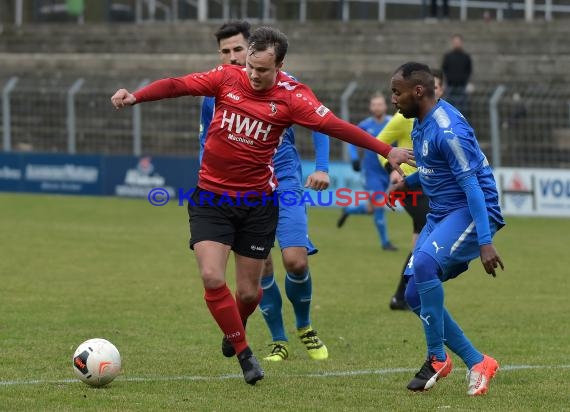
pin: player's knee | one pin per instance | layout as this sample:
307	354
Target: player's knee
297	267
211	278
412	296
267	267
425	267
247	294
295	261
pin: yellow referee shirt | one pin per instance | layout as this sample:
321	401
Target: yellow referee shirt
398	131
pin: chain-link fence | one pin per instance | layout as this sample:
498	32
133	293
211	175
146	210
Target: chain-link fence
532	126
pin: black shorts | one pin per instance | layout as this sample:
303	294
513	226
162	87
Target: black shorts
417	210
249	230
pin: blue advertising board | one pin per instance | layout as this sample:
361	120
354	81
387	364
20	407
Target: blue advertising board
344	182
10	173
130	176
96	175
50	173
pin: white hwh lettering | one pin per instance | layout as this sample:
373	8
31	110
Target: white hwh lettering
245	123
260	130
230	121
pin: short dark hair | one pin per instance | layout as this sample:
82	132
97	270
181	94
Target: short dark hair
438	74
233	28
265	37
418	74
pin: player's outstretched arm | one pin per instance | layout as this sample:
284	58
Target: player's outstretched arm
122	98
194	84
340	129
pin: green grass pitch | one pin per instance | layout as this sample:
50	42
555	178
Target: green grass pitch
73	268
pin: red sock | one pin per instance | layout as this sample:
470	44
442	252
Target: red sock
246	309
224	310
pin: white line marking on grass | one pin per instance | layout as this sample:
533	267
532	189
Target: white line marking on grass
505	368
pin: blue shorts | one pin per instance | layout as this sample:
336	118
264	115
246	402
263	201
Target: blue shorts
451	241
292	226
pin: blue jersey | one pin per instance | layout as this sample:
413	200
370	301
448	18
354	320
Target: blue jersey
286	161
370	159
447	154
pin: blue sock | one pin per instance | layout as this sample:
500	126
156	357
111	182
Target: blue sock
380	223
430	289
361	209
454	337
431	314
299	290
456	340
270	307
412	297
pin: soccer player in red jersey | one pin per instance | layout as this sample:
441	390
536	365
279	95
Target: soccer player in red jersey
253	108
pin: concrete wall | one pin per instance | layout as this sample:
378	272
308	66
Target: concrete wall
515	51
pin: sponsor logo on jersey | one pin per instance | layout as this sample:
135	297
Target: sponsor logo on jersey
233	96
237	123
322	110
425	171
286	85
240	139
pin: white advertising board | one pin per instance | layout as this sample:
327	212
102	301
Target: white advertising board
534	192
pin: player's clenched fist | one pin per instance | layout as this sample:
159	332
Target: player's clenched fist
123	98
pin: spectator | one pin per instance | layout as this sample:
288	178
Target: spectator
457	69
444	9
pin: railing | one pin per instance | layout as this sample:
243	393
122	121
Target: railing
267	10
517	125
302	10
501	8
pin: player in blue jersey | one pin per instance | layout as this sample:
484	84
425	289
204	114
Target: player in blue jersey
376	178
464	216
292	227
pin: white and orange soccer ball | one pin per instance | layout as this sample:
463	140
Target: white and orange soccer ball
96	362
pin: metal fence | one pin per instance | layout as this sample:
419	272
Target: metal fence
524	125
528	126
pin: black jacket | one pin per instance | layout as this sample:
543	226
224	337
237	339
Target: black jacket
456	68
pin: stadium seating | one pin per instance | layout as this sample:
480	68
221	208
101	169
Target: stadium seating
326	55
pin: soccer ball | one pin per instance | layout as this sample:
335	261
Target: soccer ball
96	362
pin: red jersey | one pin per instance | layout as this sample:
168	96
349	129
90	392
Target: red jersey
248	125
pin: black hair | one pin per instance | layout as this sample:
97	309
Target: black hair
233	28
437	73
418	74
265	37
